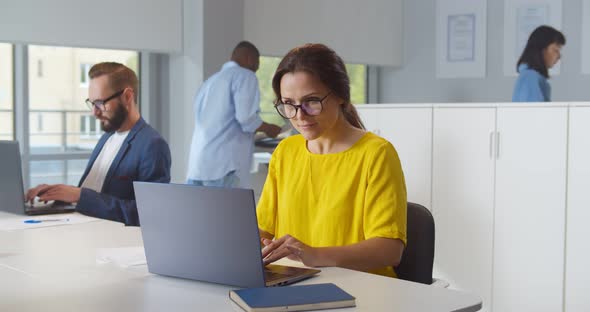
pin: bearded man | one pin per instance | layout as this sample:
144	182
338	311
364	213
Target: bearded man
129	150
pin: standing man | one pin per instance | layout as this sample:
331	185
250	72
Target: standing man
226	118
130	150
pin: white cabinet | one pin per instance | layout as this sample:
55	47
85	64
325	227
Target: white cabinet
529	223
369	118
498	198
463	198
577	279
501	176
410	132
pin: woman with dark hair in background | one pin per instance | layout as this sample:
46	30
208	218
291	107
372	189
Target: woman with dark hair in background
542	51
335	194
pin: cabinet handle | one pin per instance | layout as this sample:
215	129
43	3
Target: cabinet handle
491	144
497	145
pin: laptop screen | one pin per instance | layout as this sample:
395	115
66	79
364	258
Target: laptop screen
11	178
205	233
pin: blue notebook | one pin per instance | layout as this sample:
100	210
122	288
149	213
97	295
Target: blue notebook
292	298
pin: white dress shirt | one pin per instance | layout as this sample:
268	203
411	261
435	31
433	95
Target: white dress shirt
226	117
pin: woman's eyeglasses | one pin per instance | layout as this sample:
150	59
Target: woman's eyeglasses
311	107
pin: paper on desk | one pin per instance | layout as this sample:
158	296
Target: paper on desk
18	222
123	256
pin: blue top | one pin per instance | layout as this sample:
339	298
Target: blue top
144	156
531	86
226	117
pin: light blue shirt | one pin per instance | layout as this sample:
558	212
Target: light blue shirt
531	86
226	117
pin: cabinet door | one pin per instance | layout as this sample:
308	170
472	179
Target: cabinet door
368	117
410	132
463	198
530	209
577	279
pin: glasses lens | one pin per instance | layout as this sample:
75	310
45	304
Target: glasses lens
286	110
98	104
312	108
89	104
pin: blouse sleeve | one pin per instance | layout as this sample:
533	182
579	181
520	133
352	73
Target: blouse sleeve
385	201
266	212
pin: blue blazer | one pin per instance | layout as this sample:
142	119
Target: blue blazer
144	156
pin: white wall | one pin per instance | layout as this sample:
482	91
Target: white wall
185	74
365	32
146	25
223	29
416	82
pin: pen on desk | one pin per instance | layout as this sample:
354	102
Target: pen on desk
46	220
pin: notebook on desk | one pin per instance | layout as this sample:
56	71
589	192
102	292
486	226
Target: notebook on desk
293	298
12	190
208	234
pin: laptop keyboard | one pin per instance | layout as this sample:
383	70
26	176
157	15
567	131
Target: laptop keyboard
39	205
270	275
51	207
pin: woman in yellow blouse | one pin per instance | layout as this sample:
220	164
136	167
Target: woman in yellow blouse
335	194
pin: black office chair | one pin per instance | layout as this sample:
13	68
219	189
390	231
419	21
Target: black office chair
418	258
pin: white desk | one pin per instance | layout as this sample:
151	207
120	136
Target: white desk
55	269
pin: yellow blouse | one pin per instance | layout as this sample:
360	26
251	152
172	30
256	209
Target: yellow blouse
335	199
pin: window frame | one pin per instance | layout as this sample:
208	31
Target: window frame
13	101
88	132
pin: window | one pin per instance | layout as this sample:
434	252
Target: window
89	126
62	130
40	68
265	72
84	69
356	72
40	123
57	171
6	93
83	124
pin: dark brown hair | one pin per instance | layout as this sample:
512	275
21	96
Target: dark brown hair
539	40
322	62
120	76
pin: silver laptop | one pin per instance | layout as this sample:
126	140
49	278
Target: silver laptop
12	194
207	234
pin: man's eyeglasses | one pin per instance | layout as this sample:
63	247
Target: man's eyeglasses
100	104
311	107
